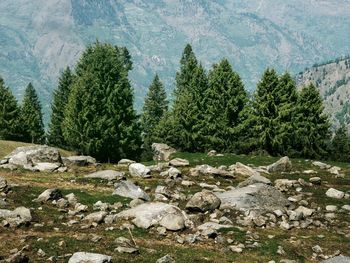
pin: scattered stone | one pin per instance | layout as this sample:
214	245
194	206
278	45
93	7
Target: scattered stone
46	167
255	179
17	217
79	161
166	259
346	207
126	246
96	217
187	183
244	170
109	175
209	170
130	190
84	257
334	170
334	193
178	162
156	213
18	257
317	249
284	184
125	162
338	259
331	208
212	153
315	180
309	172
71	198
49	194
280	251
282	165
203	201
259	197
306	212
139	170
136	202
3	184
321	165
162	152
237	248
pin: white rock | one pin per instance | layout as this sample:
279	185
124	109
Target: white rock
334	193
84	257
139	170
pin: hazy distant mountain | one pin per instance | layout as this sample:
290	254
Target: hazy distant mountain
333	80
38	38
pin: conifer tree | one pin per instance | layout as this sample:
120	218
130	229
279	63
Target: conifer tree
99	118
60	100
224	100
154	108
312	125
340	145
31	117
9	114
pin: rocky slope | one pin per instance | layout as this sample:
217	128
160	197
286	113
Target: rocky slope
39	38
333	80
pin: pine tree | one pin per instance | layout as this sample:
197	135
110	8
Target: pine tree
340	145
60	100
224	100
31	117
312	125
9	114
155	106
286	99
99	118
265	111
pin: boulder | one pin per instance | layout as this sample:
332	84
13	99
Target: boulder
109	175
258	197
3	184
19	216
178	162
139	170
130	190
321	165
284	185
84	257
96	217
154	214
125	162
162	152
337	259
166	259
334	170
255	179
334	193
244	170
34	158
80	160
49	194
203	201
212	225
306	212
282	165
205	169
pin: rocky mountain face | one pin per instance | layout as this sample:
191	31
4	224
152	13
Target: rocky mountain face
333	80
39	38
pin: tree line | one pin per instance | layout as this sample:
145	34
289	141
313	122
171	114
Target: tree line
93	113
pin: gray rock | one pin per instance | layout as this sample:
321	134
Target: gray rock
321	165
203	201
255	179
49	194
209	170
212	225
154	214
306	212
166	259
338	259
8	166
315	180
79	161
285	184
3	184
47	167
130	190
178	162
334	170
19	216
96	217
109	175
258	197
84	257
162	152
334	193
126	246
244	170
18	257
125	162
139	170
282	165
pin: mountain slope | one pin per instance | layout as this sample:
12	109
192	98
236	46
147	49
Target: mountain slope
39	38
333	80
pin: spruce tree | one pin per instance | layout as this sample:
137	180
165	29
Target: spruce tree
154	108
340	145
31	117
9	114
224	100
60	100
99	118
312	125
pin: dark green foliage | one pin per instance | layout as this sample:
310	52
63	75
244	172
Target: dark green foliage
341	145
60	100
154	108
224	101
9	114
31	117
183	126
99	118
312	125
